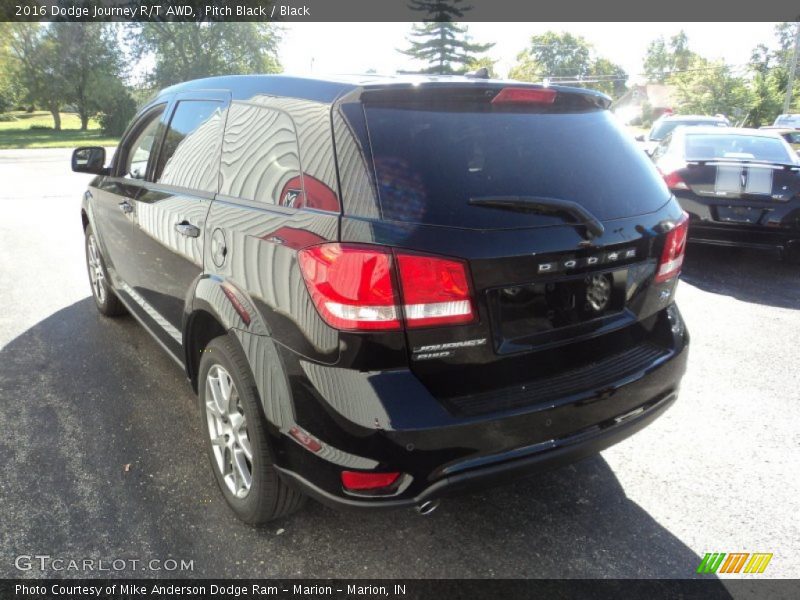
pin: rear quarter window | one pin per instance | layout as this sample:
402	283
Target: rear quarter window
260	156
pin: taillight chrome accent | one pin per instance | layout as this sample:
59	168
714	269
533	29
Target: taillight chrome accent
674	250
355	287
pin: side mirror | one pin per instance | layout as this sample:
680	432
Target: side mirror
640	137
89	159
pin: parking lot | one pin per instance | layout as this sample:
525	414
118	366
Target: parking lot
82	396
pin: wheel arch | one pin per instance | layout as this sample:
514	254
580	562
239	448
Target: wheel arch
215	307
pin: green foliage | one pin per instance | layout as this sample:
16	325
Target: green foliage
120	110
553	54
563	57
92	63
613	77
662	57
38	66
444	47
65	63
647	117
184	51
708	88
484	62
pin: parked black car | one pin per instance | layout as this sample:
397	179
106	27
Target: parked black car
385	290
741	187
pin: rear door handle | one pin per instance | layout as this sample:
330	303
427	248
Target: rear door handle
187	229
126	207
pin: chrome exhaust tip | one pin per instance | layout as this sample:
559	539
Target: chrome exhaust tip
427	507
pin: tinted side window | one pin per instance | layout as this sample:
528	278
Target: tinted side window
137	154
190	152
260	157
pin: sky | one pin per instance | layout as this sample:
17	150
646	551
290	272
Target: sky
329	48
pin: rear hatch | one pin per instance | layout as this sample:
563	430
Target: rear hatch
559	219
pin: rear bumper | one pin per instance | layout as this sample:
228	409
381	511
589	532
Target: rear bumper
507	466
760	238
388	421
775	226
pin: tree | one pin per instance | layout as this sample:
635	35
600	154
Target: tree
38	67
444	46
10	92
662	57
569	59
91	65
707	88
483	63
611	77
183	51
553	55
767	100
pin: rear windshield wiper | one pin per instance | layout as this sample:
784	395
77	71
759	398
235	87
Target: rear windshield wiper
545	206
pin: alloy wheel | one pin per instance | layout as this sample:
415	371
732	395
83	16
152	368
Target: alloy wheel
227	428
96	275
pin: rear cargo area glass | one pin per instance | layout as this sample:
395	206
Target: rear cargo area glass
430	163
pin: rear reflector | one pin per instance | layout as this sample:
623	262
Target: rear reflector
360	481
511	95
674	249
353	287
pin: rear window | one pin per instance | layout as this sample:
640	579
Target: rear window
664	128
430	163
787	121
735	146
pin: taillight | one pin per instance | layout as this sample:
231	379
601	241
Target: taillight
674	181
435	290
674	249
353	287
360	481
519	95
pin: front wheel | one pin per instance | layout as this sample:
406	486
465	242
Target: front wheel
236	434
104	298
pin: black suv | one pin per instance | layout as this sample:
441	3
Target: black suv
385	290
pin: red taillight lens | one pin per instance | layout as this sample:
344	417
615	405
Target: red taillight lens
353	289
435	290
674	249
360	481
675	182
511	95
351	286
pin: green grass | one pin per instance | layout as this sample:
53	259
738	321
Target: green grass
35	130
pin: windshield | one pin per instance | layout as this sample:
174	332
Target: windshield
430	163
662	129
737	147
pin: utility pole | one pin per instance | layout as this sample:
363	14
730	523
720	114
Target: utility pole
792	68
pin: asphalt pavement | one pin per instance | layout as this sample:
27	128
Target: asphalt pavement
101	455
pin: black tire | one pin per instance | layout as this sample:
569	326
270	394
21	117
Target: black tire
106	300
268	497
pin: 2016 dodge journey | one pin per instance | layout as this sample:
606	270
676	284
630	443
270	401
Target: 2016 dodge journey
385	290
